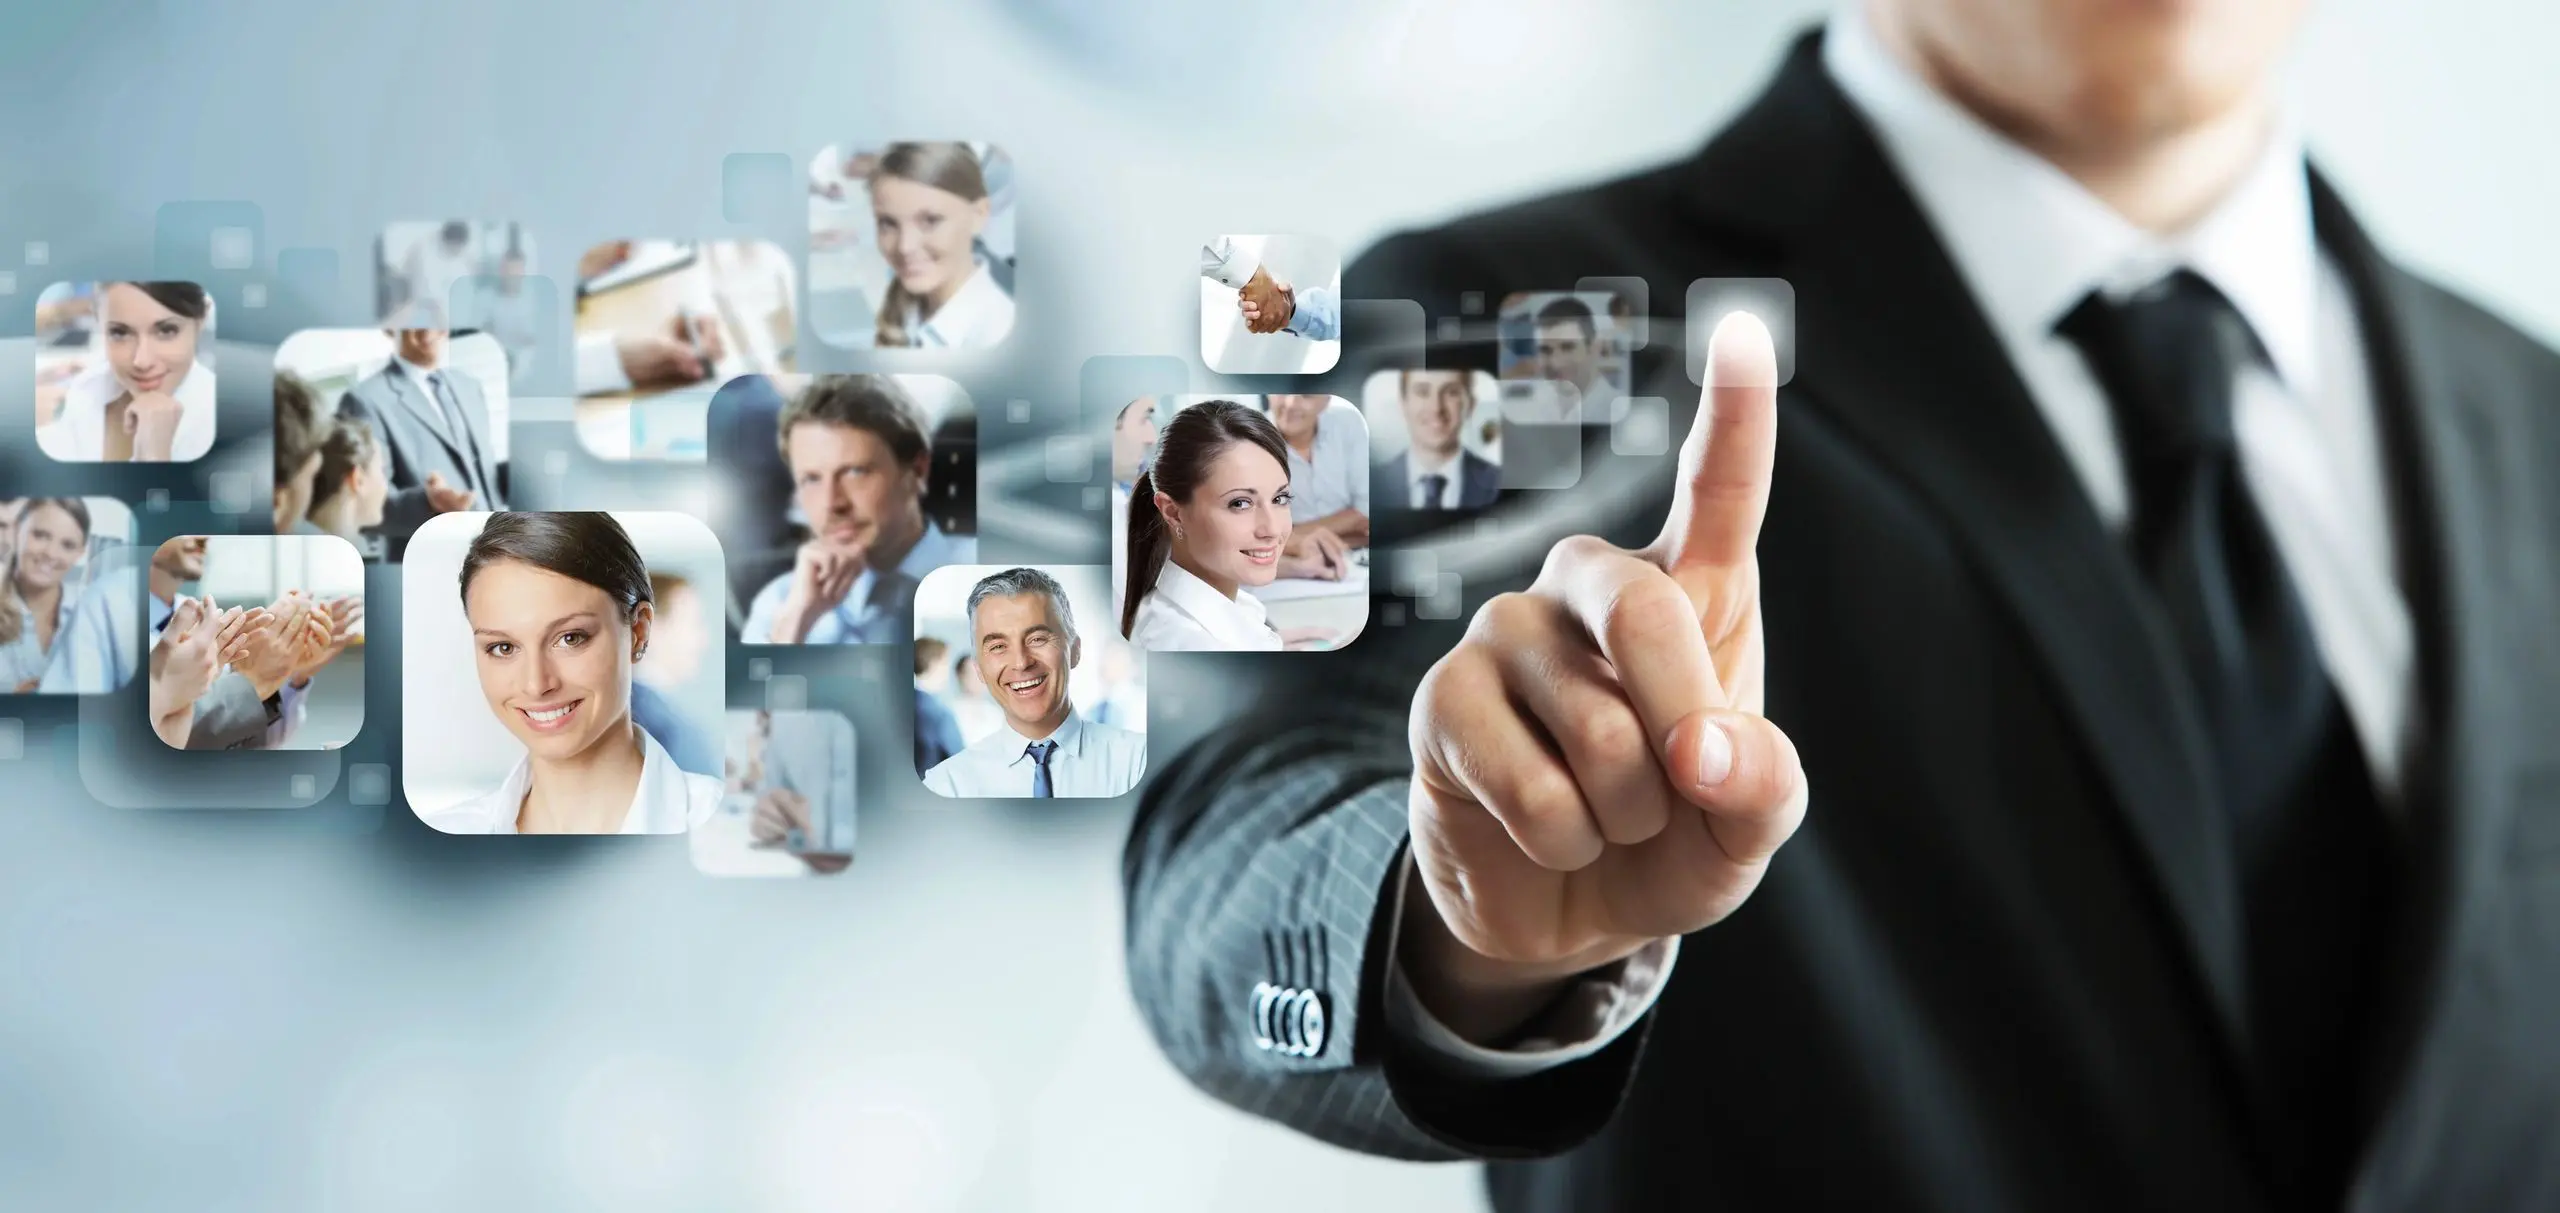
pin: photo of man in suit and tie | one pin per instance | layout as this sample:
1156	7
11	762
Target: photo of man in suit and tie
1435	415
435	410
2084	742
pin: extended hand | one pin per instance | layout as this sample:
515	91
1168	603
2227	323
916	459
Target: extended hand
1591	769
331	629
444	498
1267	302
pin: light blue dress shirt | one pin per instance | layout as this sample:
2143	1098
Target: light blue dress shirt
1316	314
26	658
877	610
1092	759
1337	477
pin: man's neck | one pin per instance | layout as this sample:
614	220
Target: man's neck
2163	182
1046	725
424	366
590	791
164	585
885	556
1427	460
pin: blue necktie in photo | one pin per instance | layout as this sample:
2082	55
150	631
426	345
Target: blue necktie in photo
1039	752
1432	487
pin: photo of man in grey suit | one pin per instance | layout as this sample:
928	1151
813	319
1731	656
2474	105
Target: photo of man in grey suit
433	422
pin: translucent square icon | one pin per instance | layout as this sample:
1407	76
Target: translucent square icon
759	668
786	693
369	783
39	253
232	492
156	501
306	787
1017	411
253	295
8	283
1645	430
13	739
232	248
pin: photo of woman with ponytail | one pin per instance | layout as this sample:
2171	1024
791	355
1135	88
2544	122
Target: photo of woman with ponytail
1207	521
930	204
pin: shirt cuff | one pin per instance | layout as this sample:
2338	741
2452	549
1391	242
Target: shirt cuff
1589	1017
600	366
1218	261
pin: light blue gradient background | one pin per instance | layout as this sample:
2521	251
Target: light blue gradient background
221	1011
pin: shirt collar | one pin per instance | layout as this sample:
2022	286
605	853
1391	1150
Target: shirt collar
1415	469
2032	242
1013	747
954	322
413	370
1231	619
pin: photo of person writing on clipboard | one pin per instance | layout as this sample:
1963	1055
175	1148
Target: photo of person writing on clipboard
656	317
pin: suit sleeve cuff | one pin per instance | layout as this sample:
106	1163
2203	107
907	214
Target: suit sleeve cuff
1219	261
1599	1008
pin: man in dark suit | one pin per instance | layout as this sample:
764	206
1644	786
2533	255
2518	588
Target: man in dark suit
1436	472
433	423
2161	588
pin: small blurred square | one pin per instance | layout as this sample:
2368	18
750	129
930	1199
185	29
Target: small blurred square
1392	614
1445	600
232	492
253	295
1017	411
759	668
1451	329
1645	431
13	739
305	787
38	252
786	693
8	282
1415	573
867	667
156	501
555	464
369	783
1096	499
1070	459
1471	303
232	248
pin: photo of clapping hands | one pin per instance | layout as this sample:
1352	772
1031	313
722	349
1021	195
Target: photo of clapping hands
247	675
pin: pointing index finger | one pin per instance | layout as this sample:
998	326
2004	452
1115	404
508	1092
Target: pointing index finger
1725	463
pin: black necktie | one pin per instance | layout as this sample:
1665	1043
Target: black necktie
2306	828
1432	486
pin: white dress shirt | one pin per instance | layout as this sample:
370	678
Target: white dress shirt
1092	759
668	801
2031	243
979	315
1185	613
79	434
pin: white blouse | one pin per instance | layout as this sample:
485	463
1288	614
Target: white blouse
1183	612
79	435
978	316
669	801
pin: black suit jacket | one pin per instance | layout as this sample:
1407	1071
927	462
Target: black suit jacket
1998	968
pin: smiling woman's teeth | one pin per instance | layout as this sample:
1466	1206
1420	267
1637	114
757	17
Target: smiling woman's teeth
552	715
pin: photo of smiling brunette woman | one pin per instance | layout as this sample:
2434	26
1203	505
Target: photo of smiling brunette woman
1070	694
555	612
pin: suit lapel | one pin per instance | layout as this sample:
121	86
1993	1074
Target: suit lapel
1896	351
2443	511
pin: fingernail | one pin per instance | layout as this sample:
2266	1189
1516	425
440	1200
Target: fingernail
1715	755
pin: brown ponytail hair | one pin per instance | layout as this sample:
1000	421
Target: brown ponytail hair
1191	442
950	167
9	602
